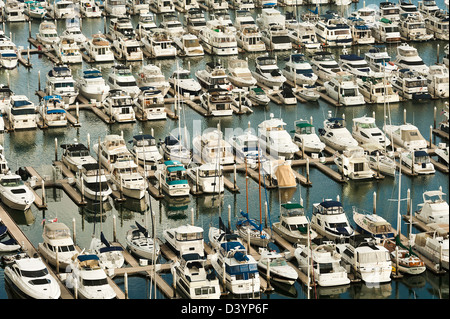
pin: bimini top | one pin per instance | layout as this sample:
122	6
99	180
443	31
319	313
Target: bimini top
330	203
420	154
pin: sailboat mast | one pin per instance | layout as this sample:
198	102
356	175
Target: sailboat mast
259	185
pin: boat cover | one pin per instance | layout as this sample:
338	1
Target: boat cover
285	177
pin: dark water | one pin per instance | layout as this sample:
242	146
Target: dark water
36	149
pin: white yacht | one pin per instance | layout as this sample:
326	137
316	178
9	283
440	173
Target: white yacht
89	279
119	106
344	89
270	16
189	45
437	25
30	279
141	243
110	256
335	134
325	267
63	9
52	111
365	131
299	71
380	61
213	76
21	113
172	148
75	155
324	65
145	150
249	38
218	39
149	104
172	177
128	50
434	245
90	9
163	6
5	98
217	102
58	246
115	8
99	48
193	279
407	7
92	182
409	58
215	5
275	140
378	90
355	65
427	7
47	35
194	20
406	136
267	72
418	161
277	266
146	24
239	74
438	81
121	78
293	224
413	28
14	193
212	148
151	75
411	85
361	32
434	208
159	45
373	264
276	37
243	18
73	32
187	4
172	25
207	178
258	96
8	53
121	27
185	239
60	82
182	82
305	36
390	11
93	86
68	51
386	31
137	7
333	32
246	149
353	164
13	11
306	138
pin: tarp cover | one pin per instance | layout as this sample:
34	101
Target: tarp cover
285	177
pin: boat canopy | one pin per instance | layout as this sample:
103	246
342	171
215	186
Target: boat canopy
291	206
330	203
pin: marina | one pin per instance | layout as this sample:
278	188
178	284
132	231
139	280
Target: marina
36	155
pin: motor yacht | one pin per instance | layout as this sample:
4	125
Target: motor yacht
92	182
276	37
149	104
145	150
333	31
183	83
258	96
437	24
325	266
408	58
356	65
406	136
216	5
412	28
380	61
306	138
217	39
276	265
194	20
137	7
330	220
433	209
14	193
185	239
92	86
60	82
427	7
299	71
75	155
8	53
121	78
324	65
411	85
433	245
47	35
187	4
13	11
243	19
267	72
438	81
239	74
115	8
172	25
344	89
390	11
293	224
336	135
52	112
146	24
246	148
118	105
63	9
380	161
249	38
140	242
159	44
353	164
128	50
386	31
90	9
365	131
172	148
73	32
99	48
378	90
21	113
163	6
5	98
207	178
275	140
212	148
172	177
217	102
418	161
213	76
360	31
305	37
189	45
152	76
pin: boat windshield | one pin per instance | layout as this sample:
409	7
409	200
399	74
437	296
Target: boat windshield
34	273
367	125
189	236
11	182
349	92
95	282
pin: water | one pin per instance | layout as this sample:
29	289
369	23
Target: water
36	149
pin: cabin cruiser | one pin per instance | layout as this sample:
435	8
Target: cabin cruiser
13	11
90	9
193	279
361	32
333	31
150	104
146	24
378	90
407	7
434	208
411	85
137	7
390	11
293	224
141	243
213	76
5	97
305	36
267	72
246	148
185	239
8	53
128	50
207	178
372	224
276	37
353	163
145	150
172	177
115	8
324	65
368	14
326	268
258	96
60	82
52	111
121	28
30	278
299	71
182	82
275	140
110	256
92	86
217	102
21	113
99	48
406	136
92	182
277	266
306	138
336	135
217	39
189	45
212	148
438	81
151	75
380	61
239	74
365	131
57	245
63	9
279	173
270	16
355	65
75	155
442	153
187	4
344	89
172	25
427	7
159	45
418	161
329	220
14	193
88	278
172	148
163	6
68	51
121	78
412	28
243	18
434	245
408	58
119	106
194	19
373	264
47	35
73	32
249	39
386	31
437	25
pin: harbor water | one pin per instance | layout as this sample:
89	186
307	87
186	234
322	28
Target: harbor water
36	148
